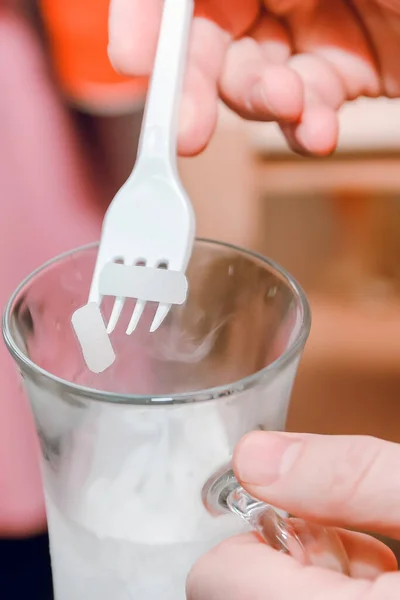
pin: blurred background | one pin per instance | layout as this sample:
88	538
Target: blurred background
335	225
69	133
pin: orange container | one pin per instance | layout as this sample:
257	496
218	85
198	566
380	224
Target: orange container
77	32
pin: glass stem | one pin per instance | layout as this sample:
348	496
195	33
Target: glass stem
264	519
308	543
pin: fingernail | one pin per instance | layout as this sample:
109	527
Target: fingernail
262	458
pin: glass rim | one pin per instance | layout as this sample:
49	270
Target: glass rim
207	394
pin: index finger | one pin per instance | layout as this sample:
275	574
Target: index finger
133	31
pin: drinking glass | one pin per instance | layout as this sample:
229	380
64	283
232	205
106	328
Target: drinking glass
136	460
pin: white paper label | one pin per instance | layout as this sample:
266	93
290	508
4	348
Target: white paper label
93	338
143	283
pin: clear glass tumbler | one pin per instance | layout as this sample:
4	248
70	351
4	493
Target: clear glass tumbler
135	460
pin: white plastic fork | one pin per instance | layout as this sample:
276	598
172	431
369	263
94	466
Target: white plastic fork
150	220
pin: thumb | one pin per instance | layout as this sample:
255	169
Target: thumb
335	480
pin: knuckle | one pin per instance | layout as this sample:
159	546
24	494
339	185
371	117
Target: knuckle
354	471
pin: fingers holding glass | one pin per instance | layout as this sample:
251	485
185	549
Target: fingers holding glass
335	480
242	569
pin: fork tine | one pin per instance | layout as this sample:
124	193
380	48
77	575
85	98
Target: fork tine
115	314
159	317
137	313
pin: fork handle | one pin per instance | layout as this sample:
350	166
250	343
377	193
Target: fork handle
160	123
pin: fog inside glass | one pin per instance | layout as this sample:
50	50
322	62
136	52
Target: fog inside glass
241	314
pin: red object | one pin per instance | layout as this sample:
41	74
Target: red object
78	37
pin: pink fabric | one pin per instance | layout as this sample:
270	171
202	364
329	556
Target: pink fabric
47	206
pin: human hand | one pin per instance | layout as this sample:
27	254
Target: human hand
291	61
337	481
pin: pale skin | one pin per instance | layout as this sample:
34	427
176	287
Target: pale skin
295	62
339	481
291	61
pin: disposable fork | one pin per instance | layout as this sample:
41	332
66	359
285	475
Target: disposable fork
150	221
